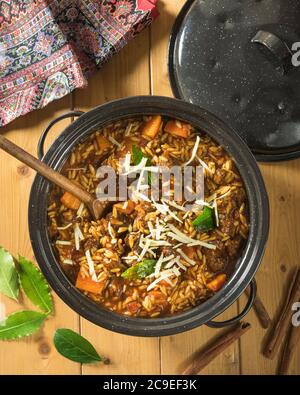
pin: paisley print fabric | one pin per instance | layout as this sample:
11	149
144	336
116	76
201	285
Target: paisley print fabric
50	47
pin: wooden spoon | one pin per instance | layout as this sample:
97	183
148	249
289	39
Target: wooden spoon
95	206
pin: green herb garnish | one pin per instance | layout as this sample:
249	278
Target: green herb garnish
75	347
205	221
140	270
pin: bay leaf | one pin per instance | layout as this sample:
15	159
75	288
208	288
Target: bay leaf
21	324
35	285
75	347
9	283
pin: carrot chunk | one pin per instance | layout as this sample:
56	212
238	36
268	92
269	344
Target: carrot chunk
126	207
87	284
190	252
70	201
217	283
102	142
152	127
178	128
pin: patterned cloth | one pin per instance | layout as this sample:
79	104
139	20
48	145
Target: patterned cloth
50	47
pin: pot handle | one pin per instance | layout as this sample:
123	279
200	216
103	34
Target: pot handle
276	50
40	146
247	308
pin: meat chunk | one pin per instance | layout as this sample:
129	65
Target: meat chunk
217	259
226	225
239	196
233	246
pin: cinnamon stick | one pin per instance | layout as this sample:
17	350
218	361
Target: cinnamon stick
260	311
216	348
285	318
289	350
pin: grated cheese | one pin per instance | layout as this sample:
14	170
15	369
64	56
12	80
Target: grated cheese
203	164
171	263
142	196
168	258
222	196
130	257
150	227
145	248
157	243
158	265
114	141
128	129
186	215
182	237
64	227
178	245
68	262
174	216
202	203
80	235
162	277
180	264
77	242
176	271
194	152
160	207
110	231
64	242
175	205
126	163
211	197
185	257
215	206
80	210
153	253
91	265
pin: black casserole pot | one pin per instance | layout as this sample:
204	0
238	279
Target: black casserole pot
247	264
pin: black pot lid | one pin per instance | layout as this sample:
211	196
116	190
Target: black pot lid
234	58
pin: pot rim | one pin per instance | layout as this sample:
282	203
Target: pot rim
246	265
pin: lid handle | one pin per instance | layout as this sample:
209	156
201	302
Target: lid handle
277	51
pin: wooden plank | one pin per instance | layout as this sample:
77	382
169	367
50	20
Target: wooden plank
176	350
126	74
281	258
35	354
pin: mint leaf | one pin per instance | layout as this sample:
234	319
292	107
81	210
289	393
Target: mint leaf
75	347
9	284
20	324
34	285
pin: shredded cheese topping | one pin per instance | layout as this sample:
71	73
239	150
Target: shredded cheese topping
114	141
91	265
194	152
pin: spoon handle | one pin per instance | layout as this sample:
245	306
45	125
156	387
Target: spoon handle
45	170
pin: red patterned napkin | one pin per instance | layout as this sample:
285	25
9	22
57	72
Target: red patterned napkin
50	47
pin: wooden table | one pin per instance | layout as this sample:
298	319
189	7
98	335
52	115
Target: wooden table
141	68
